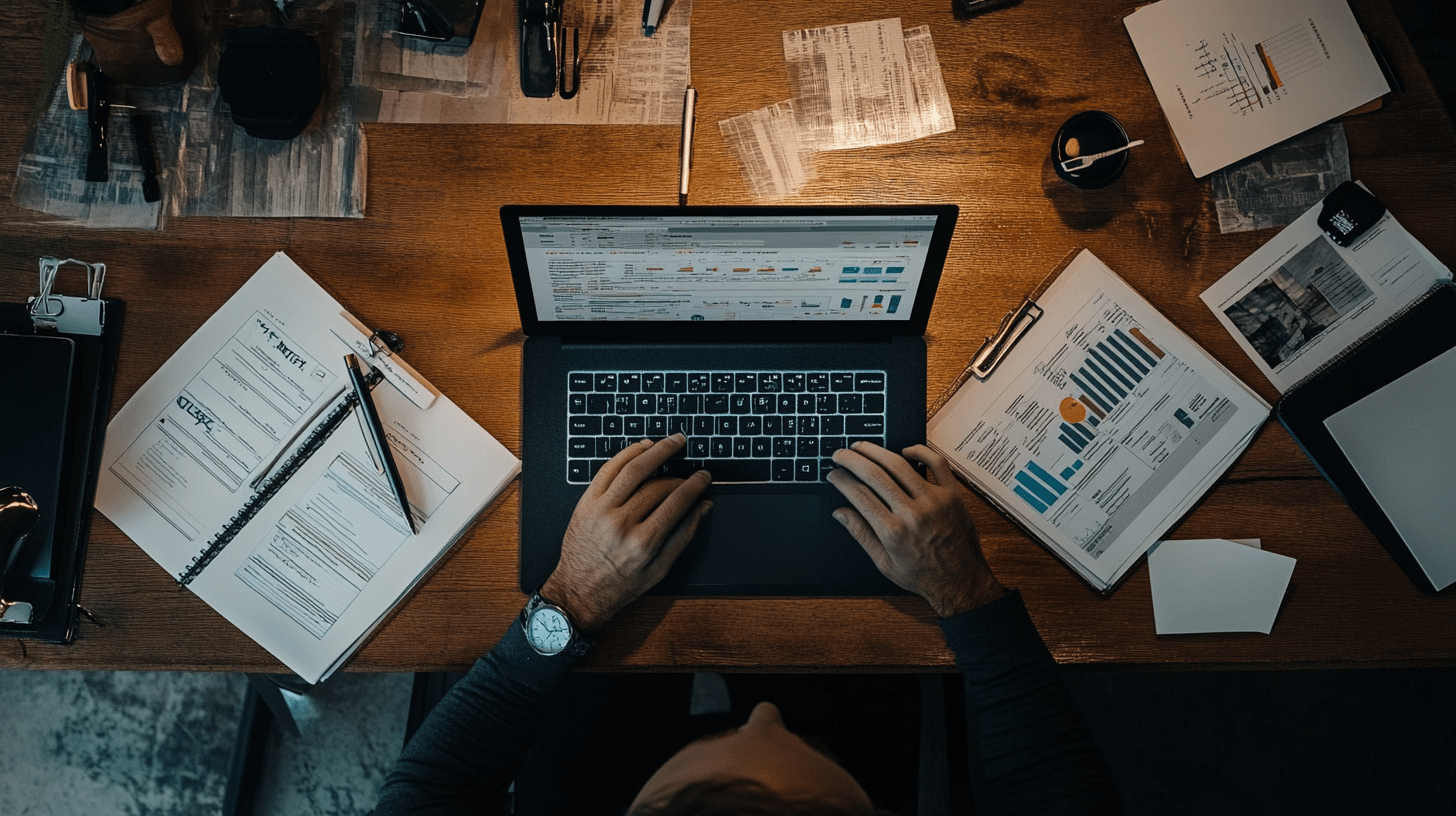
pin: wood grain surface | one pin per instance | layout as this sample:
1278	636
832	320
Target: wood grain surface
428	262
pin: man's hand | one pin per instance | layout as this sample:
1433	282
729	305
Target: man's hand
918	532
625	533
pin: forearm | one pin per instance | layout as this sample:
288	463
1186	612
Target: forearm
1035	748
466	753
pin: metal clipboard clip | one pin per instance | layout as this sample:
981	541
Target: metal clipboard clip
64	313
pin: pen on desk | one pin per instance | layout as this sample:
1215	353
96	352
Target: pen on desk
690	118
651	15
376	438
288	446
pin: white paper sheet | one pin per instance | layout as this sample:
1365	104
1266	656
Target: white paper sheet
1215	585
1299	300
1236	76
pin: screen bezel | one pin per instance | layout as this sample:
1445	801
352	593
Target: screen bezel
761	330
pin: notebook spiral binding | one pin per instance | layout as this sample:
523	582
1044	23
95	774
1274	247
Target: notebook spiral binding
295	460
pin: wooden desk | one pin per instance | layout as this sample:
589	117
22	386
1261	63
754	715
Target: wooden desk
428	261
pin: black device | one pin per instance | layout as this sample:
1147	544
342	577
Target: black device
1348	211
448	22
769	336
272	80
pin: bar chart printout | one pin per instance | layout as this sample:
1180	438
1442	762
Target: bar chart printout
1105	419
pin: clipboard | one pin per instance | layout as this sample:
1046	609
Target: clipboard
1415	338
64	349
1092	422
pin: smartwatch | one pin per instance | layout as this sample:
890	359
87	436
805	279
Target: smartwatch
548	630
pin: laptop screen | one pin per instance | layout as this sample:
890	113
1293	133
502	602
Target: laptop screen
684	265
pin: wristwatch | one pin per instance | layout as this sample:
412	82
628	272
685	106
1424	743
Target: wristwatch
548	630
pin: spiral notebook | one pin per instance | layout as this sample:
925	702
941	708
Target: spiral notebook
239	469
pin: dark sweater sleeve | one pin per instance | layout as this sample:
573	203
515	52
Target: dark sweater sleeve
1036	752
465	754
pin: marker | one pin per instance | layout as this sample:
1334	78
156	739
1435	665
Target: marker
651	15
690	118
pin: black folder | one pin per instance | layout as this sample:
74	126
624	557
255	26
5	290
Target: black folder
1402	345
55	400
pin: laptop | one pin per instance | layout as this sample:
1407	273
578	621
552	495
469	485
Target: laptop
769	336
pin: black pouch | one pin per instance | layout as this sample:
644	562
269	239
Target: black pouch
271	79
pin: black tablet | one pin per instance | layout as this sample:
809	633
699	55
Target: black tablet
1378	424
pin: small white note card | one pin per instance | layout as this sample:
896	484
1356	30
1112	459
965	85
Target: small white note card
1213	585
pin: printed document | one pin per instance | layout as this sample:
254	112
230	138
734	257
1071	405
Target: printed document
328	554
1101	428
1300	300
1236	76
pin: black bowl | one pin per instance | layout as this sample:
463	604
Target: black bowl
1095	132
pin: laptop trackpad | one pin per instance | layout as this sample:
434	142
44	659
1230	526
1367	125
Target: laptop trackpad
755	540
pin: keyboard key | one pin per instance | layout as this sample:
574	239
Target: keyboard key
742	447
750	425
851	404
698	383
698	447
825	465
825	404
599	403
819	381
791	425
596	465
740	403
722	447
646	404
625	404
584	425
581	447
829	444
788	403
578	470
724	470
667	403
609	446
612	426
653	382
690	404
832	425
715	403
806	470
679	424
761	446
722	383
657	426
841	381
725	425
770	382
805	404
877	440
862	425
808	446
773	425
764	403
576	403
636	426
702	426
869	381
874	403
606	381
629	382
793	382
808	426
783	470
783	446
677	382
579	381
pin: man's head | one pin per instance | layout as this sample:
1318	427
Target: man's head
761	761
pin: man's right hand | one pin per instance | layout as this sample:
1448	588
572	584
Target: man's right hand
918	532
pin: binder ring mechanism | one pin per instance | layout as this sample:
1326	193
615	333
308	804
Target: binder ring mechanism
63	313
385	342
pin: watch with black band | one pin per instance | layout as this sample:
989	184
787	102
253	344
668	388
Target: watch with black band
549	630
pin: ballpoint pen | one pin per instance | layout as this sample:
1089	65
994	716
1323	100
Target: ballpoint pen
651	15
690	118
376	437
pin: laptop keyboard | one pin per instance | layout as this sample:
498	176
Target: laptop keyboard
743	426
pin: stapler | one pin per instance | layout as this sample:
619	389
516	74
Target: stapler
18	515
540	23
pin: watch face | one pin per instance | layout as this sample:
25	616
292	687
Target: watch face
548	630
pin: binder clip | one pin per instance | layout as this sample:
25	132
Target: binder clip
1013	326
63	313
